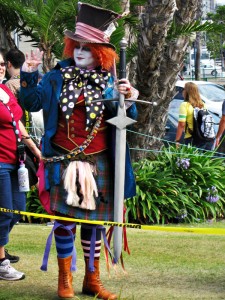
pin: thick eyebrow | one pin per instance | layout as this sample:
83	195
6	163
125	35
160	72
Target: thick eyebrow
85	48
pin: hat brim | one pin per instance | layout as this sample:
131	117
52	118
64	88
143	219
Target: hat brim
74	37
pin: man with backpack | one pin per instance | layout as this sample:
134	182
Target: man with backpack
195	120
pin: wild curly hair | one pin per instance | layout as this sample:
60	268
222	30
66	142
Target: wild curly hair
105	56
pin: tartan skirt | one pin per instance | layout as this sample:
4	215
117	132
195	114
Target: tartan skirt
104	202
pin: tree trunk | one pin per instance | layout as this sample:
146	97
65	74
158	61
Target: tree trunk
198	56
198	44
158	64
6	41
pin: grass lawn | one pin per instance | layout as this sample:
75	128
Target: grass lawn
162	265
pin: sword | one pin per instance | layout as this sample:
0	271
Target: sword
120	122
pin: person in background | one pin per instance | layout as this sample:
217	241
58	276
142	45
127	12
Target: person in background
221	126
14	61
2	66
186	122
78	144
11	129
11	258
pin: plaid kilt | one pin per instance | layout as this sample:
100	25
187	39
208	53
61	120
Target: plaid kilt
104	203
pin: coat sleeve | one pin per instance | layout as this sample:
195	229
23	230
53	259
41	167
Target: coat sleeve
30	91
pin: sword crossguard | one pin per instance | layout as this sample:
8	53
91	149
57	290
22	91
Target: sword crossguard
129	100
121	121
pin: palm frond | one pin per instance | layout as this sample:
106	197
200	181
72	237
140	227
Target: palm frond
114	5
187	29
137	2
9	17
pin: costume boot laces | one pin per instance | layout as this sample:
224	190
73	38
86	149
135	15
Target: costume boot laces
65	280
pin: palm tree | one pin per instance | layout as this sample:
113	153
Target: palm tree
164	35
6	26
43	22
158	36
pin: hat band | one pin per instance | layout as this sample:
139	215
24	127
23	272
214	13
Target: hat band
90	33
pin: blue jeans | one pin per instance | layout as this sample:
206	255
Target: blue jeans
10	198
200	145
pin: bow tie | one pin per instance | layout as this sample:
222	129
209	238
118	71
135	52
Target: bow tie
91	83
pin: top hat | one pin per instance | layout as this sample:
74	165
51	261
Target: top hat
93	25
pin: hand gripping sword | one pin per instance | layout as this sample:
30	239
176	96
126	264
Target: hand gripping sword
120	122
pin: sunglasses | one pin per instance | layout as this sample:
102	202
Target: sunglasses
2	64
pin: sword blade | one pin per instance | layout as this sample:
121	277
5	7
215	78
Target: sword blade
119	190
120	122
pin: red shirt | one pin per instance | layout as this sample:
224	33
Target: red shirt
8	144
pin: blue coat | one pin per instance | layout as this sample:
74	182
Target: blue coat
45	95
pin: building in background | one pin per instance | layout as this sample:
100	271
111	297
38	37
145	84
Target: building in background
207	6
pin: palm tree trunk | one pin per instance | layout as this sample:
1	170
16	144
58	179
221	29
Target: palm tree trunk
6	41
159	62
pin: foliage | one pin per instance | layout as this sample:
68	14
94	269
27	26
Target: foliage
33	205
44	22
215	39
169	191
190	28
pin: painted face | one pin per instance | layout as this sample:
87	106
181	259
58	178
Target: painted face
83	57
2	68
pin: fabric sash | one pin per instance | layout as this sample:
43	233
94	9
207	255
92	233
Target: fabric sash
49	244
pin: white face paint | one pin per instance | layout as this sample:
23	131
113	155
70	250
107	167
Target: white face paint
83	57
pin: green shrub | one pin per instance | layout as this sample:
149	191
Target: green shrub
175	186
33	205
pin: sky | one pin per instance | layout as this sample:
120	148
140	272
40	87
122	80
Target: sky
220	2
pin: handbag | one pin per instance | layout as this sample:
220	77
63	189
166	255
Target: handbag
30	162
32	165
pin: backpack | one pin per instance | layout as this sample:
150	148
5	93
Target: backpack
203	127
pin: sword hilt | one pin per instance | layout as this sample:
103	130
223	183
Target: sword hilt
122	65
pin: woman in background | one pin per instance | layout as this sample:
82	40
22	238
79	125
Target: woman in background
192	100
11	131
2	66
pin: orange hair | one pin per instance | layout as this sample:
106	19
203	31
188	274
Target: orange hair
104	55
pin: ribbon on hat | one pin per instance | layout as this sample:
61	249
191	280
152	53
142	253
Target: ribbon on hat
89	82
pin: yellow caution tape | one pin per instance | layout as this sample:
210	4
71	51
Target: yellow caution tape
214	231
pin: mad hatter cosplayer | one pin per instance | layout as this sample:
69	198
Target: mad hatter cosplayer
78	144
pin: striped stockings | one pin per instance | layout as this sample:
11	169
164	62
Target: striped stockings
64	242
86	242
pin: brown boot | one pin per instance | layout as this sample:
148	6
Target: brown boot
65	289
92	284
